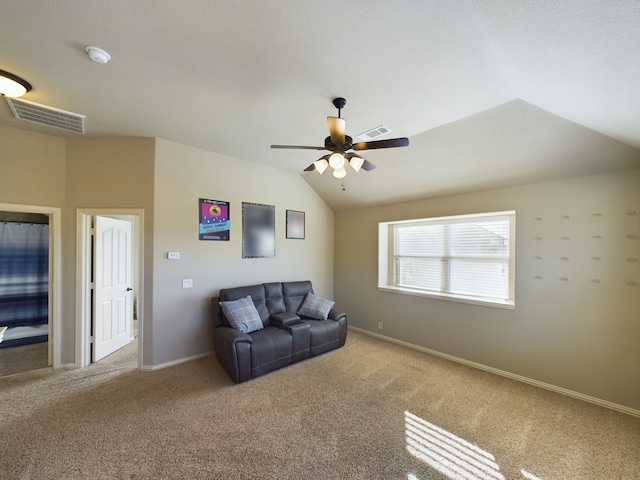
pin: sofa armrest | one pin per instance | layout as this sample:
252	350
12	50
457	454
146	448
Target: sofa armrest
336	314
230	335
341	318
284	318
233	349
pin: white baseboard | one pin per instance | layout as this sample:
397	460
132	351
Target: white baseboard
151	368
503	373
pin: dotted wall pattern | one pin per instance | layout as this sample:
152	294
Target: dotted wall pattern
587	247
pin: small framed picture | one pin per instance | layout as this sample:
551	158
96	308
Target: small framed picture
214	220
295	224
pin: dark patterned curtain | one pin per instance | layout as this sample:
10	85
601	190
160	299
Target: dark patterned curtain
24	274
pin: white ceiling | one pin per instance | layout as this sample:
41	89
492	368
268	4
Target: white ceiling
490	93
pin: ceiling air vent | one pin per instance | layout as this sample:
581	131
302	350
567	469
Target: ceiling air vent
373	133
49	116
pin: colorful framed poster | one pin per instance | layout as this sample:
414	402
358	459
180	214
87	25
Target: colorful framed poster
215	222
295	224
258	230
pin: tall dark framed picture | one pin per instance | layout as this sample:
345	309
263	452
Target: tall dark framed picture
258	230
214	220
295	224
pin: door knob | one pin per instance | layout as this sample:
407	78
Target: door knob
129	289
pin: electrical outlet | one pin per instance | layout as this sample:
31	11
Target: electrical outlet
380	325
187	283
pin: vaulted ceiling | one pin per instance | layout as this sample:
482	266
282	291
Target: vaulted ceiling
490	93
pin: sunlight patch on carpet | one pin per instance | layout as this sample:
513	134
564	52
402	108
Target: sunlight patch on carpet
448	453
529	476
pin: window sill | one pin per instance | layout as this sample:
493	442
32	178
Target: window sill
504	304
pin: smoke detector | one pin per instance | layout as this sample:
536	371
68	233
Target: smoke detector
98	55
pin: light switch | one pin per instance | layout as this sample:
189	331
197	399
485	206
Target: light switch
187	283
173	255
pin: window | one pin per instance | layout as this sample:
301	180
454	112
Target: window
467	258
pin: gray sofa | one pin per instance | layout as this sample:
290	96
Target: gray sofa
290	329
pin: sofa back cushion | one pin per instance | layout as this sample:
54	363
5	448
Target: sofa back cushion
294	293
270	298
274	298
257	295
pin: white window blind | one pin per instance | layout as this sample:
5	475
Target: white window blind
468	256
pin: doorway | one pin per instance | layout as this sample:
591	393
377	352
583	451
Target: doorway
85	268
37	333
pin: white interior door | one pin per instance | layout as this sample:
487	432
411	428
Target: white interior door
113	295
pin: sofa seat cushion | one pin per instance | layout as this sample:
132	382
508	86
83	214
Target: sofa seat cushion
270	349
315	307
325	336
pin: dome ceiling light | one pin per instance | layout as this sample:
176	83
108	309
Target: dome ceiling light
12	85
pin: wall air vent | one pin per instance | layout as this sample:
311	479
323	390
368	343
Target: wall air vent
373	133
49	116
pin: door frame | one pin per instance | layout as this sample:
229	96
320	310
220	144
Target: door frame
55	274
83	276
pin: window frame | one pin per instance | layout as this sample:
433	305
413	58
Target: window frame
386	259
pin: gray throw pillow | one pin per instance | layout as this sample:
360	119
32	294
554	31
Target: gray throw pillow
242	314
315	307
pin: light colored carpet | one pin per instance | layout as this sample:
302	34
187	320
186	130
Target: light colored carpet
371	410
23	358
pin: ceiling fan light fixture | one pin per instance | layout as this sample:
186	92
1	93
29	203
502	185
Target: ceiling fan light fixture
356	163
340	172
336	160
321	165
13	86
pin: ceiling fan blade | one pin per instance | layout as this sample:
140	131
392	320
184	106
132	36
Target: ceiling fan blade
337	127
310	168
298	147
390	143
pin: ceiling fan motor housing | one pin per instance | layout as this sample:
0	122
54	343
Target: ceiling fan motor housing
329	145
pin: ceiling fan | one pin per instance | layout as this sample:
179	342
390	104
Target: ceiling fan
340	146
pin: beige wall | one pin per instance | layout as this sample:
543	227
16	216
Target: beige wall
110	173
576	324
33	173
47	171
183	175
32	168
